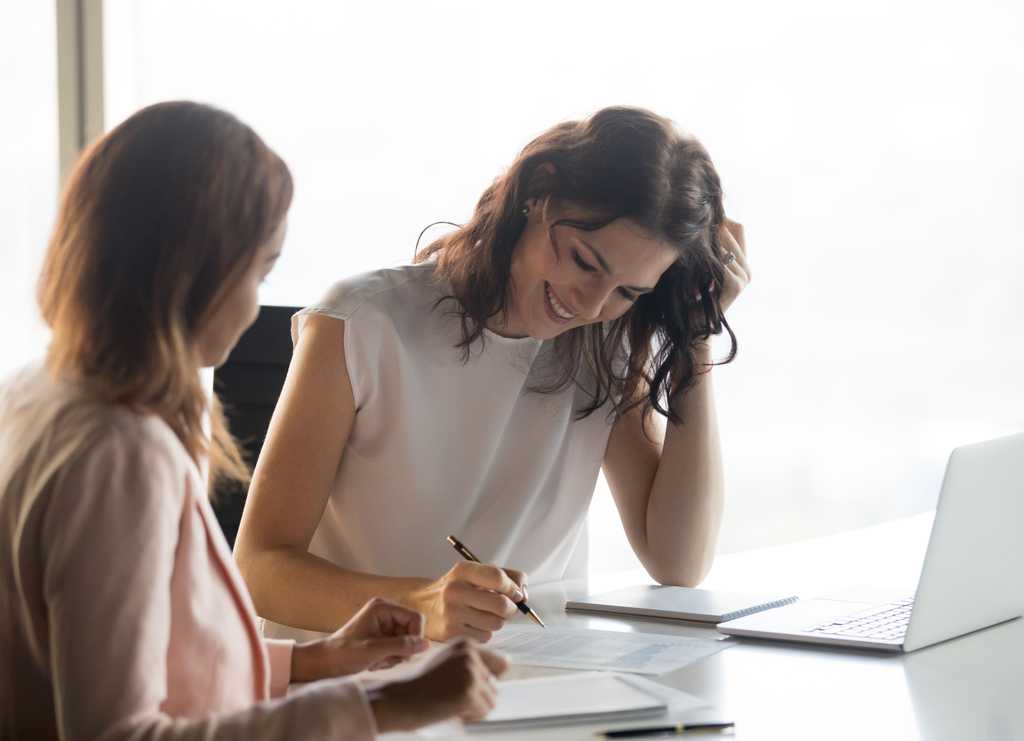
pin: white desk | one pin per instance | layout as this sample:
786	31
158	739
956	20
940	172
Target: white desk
965	689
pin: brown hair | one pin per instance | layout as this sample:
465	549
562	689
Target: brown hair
619	163
158	221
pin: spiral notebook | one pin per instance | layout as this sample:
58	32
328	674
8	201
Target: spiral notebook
680	603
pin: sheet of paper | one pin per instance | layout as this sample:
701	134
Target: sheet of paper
567	696
639	653
680	708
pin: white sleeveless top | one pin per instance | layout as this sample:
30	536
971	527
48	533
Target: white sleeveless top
440	446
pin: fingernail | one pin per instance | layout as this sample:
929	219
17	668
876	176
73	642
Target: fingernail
517	596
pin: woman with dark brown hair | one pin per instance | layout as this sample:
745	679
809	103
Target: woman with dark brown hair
122	612
479	391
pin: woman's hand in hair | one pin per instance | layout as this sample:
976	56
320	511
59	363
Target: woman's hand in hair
462	685
737	269
380	635
472	600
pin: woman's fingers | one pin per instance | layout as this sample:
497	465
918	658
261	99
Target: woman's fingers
519	577
463	593
742	265
462	685
482	703
386	663
378	617
384	653
393	647
487	577
398	620
484	695
472	600
733	232
477	624
733	240
496	663
737	272
730	236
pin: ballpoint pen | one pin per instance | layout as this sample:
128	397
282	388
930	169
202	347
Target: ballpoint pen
675	730
521	604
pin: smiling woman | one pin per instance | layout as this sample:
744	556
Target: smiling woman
623	188
481	390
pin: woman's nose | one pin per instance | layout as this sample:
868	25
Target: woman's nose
590	302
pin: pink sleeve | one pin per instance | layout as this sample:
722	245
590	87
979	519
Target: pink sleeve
108	538
280	653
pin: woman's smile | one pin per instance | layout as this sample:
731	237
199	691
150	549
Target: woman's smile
557	311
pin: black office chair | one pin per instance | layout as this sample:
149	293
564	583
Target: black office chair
249	384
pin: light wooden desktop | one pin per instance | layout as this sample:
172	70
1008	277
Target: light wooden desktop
964	689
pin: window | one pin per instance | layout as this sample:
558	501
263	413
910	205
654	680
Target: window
28	189
872	150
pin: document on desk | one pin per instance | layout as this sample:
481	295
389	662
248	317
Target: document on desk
604	650
584	697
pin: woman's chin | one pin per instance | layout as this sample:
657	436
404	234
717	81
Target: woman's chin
548	332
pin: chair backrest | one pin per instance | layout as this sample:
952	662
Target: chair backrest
248	384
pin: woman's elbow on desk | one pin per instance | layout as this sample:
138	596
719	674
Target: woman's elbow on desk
679	572
678	577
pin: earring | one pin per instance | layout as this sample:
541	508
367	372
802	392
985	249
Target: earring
525	210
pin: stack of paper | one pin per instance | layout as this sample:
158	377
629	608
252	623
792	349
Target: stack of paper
569	698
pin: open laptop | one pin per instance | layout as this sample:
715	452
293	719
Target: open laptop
971	577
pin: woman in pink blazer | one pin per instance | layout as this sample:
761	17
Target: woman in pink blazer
122	614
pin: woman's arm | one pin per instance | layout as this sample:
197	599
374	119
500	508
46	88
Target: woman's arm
292	481
307	435
669	490
109	536
668	485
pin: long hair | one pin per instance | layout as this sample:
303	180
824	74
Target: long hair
159	220
620	163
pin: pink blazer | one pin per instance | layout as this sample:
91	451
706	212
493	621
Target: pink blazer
122	613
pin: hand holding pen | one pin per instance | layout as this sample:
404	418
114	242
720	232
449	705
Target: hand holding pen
471	600
520	603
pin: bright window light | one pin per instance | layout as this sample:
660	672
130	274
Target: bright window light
28	188
872	150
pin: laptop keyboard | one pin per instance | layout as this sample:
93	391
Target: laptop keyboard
888	623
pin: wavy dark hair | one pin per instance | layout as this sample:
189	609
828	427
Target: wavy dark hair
621	163
158	222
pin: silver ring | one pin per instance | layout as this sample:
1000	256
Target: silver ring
729	258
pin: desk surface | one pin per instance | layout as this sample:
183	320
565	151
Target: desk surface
967	688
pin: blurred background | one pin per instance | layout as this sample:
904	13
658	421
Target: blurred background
872	150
